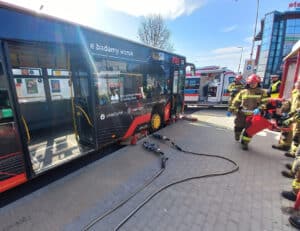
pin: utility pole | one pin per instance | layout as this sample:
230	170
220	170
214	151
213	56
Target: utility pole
253	40
240	59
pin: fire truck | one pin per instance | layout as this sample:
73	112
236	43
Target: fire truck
208	86
291	67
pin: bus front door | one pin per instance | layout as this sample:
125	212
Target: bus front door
82	109
178	80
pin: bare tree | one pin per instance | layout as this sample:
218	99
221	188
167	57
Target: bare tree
154	32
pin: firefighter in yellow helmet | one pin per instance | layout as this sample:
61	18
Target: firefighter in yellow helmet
247	102
275	86
234	88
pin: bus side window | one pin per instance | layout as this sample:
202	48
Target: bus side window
102	94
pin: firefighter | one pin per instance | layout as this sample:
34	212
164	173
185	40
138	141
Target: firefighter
286	135
292	195
275	86
293	167
234	88
295	218
247	102
294	122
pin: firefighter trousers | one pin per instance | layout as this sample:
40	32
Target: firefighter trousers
286	138
295	138
239	124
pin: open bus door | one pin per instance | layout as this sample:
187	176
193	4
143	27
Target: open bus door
178	82
82	101
42	86
12	159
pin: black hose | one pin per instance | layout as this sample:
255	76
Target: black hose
160	137
154	148
165	187
105	214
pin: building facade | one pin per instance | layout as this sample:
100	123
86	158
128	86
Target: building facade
279	32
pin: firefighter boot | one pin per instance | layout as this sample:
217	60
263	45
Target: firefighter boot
289	154
244	145
237	136
288	174
280	147
295	221
289	195
288	166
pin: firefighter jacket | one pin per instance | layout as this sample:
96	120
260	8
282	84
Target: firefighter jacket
235	88
295	106
274	89
295	100
296	186
249	99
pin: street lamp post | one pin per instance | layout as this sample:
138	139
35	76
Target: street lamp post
240	59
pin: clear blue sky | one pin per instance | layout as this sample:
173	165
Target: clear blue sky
207	32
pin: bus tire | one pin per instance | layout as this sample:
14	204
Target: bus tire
155	122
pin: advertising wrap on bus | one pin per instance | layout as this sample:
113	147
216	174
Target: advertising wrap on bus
67	90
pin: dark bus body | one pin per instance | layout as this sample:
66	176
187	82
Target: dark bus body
67	90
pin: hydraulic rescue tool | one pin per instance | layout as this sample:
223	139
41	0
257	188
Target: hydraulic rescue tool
268	118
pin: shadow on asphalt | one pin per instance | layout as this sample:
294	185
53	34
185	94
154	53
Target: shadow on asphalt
52	175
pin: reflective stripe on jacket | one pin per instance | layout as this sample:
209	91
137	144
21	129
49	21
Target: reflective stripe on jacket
295	100
235	87
249	99
295	185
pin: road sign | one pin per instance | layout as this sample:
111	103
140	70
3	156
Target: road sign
248	68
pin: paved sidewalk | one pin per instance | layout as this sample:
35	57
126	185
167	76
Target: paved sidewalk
245	200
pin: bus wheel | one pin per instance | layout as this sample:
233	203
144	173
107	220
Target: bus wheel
155	122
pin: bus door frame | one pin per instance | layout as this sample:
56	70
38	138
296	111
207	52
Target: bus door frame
179	94
7	69
75	68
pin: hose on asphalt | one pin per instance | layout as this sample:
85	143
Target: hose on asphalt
154	148
164	187
150	147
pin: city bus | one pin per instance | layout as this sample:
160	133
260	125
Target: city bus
67	90
208	86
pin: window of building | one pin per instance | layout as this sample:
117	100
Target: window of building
290	30
290	22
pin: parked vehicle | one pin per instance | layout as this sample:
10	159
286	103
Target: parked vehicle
208	86
67	90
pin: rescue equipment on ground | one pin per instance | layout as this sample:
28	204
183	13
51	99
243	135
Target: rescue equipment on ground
155	148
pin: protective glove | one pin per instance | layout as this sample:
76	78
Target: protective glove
297	116
256	111
228	113
286	122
